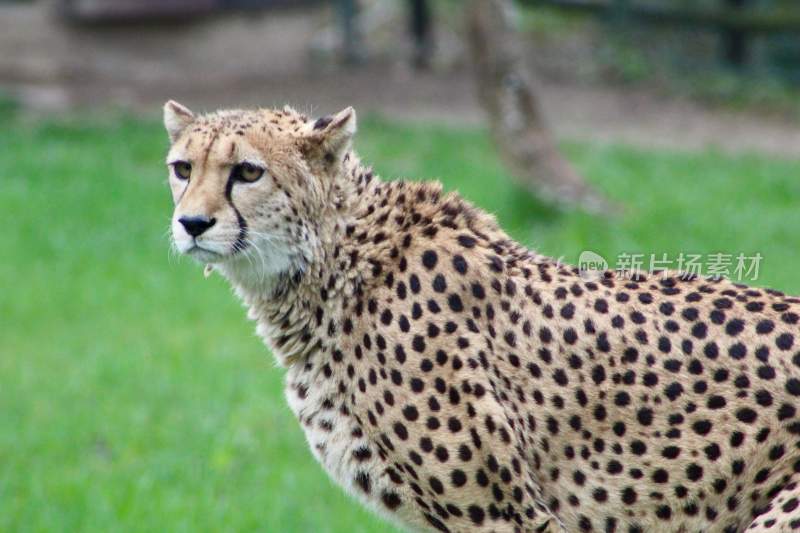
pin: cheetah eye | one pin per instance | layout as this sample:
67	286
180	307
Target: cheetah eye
182	170
247	172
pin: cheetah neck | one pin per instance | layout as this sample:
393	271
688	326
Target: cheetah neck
295	308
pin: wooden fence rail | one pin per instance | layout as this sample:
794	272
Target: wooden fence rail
744	20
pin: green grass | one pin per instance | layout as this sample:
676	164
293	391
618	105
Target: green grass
134	395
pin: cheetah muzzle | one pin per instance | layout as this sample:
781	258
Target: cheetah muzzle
452	380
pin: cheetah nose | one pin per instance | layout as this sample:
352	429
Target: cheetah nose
197	225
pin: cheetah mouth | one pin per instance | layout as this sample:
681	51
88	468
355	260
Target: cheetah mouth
204	255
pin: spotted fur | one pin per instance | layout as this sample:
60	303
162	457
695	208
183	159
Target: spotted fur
453	380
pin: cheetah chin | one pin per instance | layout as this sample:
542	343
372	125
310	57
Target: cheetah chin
452	380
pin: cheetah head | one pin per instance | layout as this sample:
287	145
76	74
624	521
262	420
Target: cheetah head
251	188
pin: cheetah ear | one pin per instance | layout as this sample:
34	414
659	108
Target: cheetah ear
331	136
176	118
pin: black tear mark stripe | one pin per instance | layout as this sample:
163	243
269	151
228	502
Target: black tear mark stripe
241	239
183	193
240	243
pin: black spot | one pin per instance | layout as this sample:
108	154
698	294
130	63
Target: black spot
362	453
645	416
414	284
460	264
391	500
765	326
763	398
702	427
442	454
458	478
436	523
429	259
454	301
694	472
629	496
738	351
766	372
363	481
638	447
476	514
716	402
466	241
660	476
785	341
786	411
560	377
700	330
598	374
401	431
671	452
776	452
622	399
734	327
418	343
673	390
478	292
746	415
410	413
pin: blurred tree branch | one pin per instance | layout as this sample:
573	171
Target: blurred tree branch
507	92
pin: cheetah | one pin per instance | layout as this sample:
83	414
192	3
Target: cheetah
452	380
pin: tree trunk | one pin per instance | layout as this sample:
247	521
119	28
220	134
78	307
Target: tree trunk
735	49
421	26
507	92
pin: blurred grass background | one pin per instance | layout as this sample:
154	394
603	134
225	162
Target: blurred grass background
135	395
